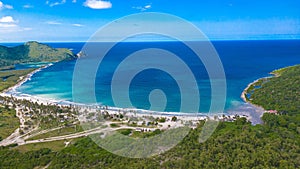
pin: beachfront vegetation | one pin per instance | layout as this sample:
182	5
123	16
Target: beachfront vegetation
32	52
238	144
233	145
12	77
43	116
280	93
29	52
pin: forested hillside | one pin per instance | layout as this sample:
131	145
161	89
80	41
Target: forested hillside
274	144
280	93
233	145
32	52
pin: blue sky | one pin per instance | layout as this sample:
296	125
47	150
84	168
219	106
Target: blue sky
77	20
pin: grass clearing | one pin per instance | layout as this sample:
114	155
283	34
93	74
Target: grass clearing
60	132
53	145
9	122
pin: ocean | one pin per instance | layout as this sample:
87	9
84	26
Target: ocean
243	62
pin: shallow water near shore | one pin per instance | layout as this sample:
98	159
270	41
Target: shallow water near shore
243	61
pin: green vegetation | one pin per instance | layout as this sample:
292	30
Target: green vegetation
125	132
281	93
8	122
233	145
10	78
274	144
32	52
145	134
114	125
45	116
29	52
40	52
161	120
55	146
139	134
60	132
4	68
174	118
30	159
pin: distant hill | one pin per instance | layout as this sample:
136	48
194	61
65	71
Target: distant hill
32	52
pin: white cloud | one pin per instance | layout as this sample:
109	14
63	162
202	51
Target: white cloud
73	1
51	4
147	6
5	6
8	7
7	19
10	28
97	4
5	25
142	8
78	25
53	23
8	24
27	6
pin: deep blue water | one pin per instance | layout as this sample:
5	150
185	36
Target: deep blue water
243	62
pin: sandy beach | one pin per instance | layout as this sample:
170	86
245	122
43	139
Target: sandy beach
131	112
24	79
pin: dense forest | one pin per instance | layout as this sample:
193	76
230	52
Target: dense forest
233	145
32	52
274	144
280	93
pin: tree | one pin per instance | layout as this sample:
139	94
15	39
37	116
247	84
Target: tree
174	118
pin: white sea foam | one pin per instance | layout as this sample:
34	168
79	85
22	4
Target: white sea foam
243	109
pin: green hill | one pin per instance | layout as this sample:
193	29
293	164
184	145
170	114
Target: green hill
32	52
281	92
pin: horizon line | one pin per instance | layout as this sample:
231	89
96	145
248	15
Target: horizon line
212	40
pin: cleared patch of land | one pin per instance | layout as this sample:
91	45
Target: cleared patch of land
59	132
9	122
53	145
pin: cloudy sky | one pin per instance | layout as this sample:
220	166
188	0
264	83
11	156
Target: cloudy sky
77	20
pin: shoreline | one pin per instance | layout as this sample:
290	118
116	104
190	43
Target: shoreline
11	92
248	86
25	79
273	74
249	113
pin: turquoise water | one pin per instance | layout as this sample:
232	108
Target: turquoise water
243	62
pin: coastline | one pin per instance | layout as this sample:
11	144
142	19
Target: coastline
248	86
25	79
273	74
11	92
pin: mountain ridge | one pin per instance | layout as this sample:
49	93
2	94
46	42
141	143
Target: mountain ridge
33	51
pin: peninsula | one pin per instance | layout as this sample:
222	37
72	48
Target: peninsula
32	52
279	93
